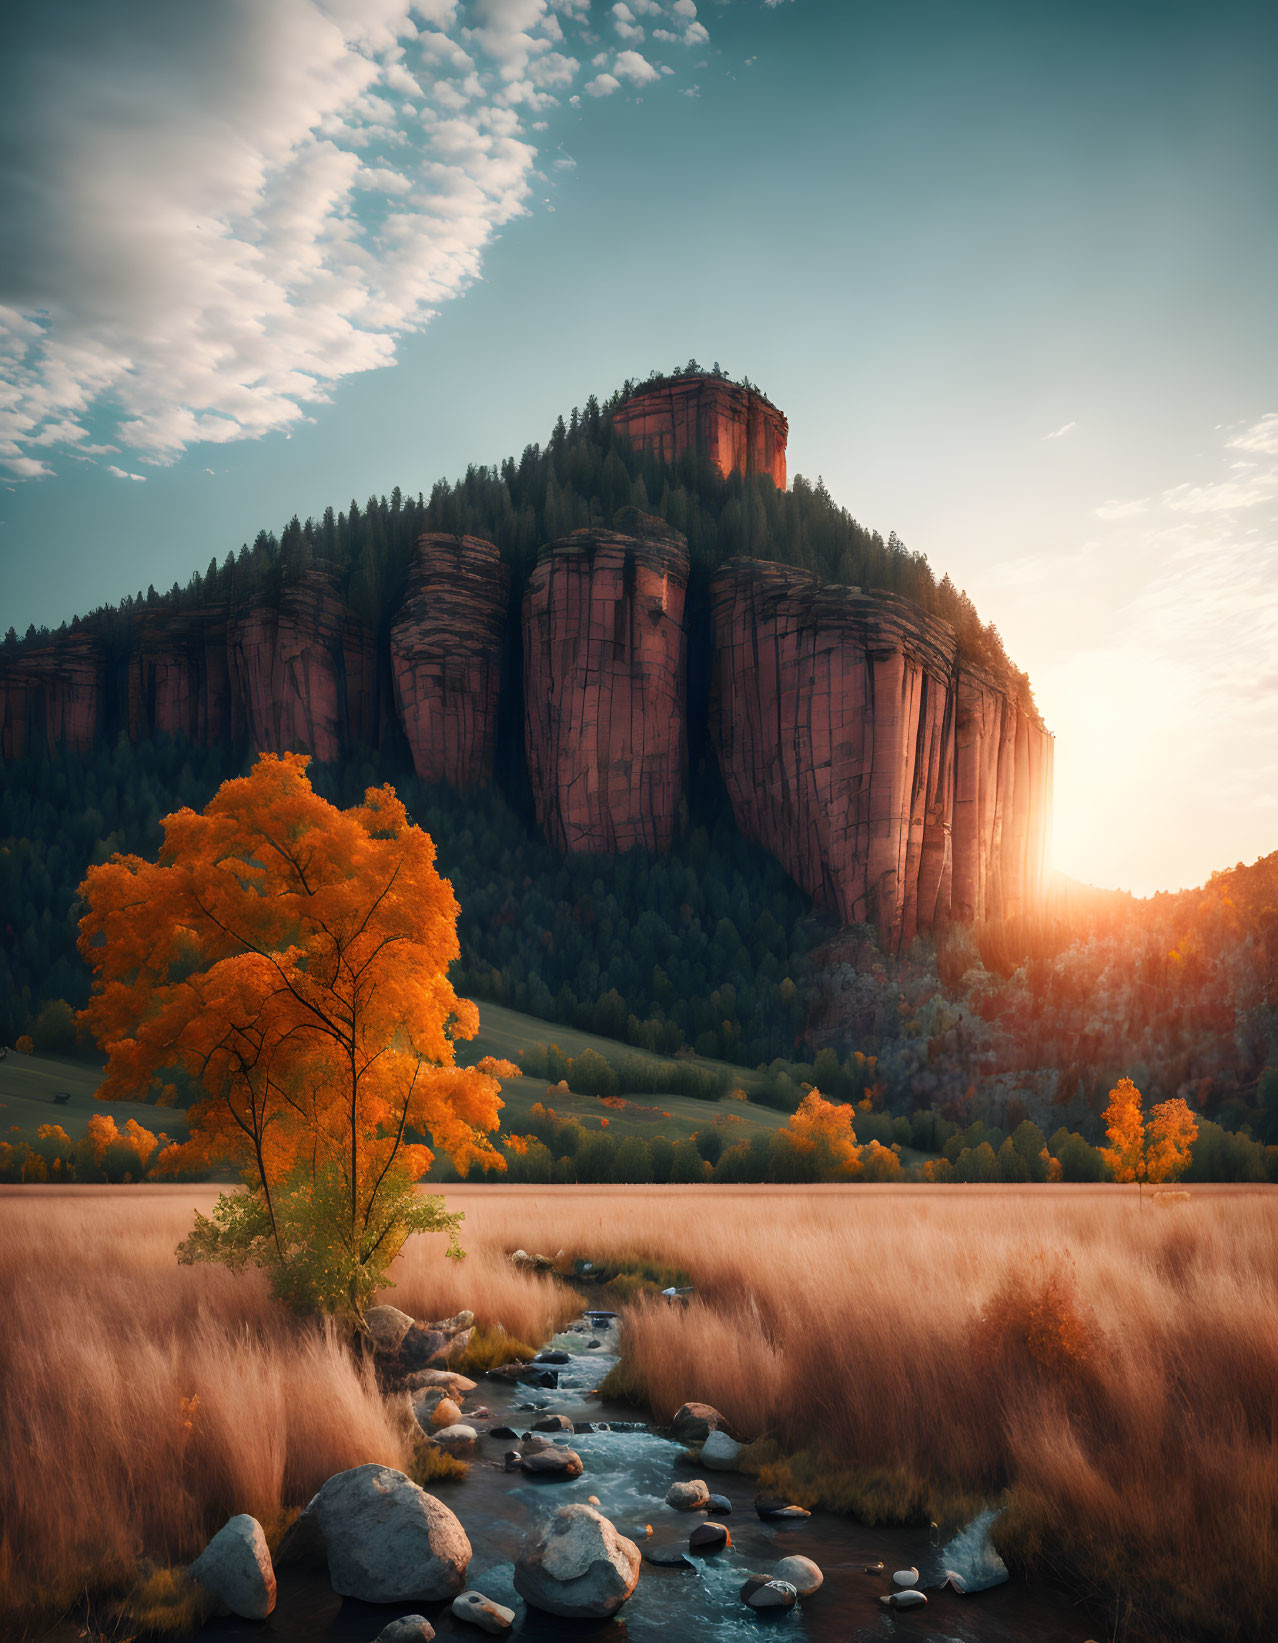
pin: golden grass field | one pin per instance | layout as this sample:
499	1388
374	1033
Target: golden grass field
909	1350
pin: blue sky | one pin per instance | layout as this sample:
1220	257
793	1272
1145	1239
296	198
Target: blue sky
1009	270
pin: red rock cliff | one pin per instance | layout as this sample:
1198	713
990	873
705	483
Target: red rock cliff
604	672
303	674
892	784
739	430
446	649
53	696
178	678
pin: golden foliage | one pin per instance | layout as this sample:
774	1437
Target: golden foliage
1158	1151
292	960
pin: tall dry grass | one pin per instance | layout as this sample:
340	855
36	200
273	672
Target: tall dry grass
1115	1367
908	1348
142	1403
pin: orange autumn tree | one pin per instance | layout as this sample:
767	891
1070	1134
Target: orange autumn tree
1140	1151
822	1130
292	959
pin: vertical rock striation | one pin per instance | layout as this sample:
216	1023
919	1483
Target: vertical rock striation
303	672
52	696
852	745
446	649
178	678
604	669
739	430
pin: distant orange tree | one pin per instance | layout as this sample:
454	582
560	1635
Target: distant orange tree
821	1132
292	959
1159	1149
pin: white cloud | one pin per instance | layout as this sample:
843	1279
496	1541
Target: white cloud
219	213
1261	437
623	20
635	67
123	473
1057	433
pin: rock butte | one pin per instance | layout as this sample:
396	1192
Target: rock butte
896	781
604	665
739	430
446	647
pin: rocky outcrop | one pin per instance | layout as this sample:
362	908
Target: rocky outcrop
302	670
52	696
836	716
178	676
737	428
446	650
604	665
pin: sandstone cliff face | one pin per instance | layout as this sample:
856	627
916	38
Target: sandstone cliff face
52	697
738	429
178	677
604	671
446	650
303	672
895	786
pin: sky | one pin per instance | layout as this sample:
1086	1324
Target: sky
1008	268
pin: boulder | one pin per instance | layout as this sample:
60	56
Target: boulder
445	1413
387	1326
576	1565
720	1452
801	1573
553	1464
236	1567
688	1497
762	1592
553	1423
709	1537
410	1628
386	1539
481	1611
694	1422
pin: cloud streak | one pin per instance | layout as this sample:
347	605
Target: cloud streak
217	213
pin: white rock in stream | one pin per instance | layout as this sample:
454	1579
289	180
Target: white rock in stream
481	1611
236	1567
689	1497
906	1577
576	1564
720	1452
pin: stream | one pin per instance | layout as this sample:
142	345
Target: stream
630	1472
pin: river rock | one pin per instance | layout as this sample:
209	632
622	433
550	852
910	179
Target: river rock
762	1592
775	1508
553	1464
553	1423
694	1422
667	1556
445	1413
409	1628
709	1537
688	1497
502	1432
576	1565
481	1611
912	1598
387	1540
554	1356
447	1381
236	1567
456	1437
387	1326
719	1504
905	1577
801	1573
720	1452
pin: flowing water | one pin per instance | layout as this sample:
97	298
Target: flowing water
630	1472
